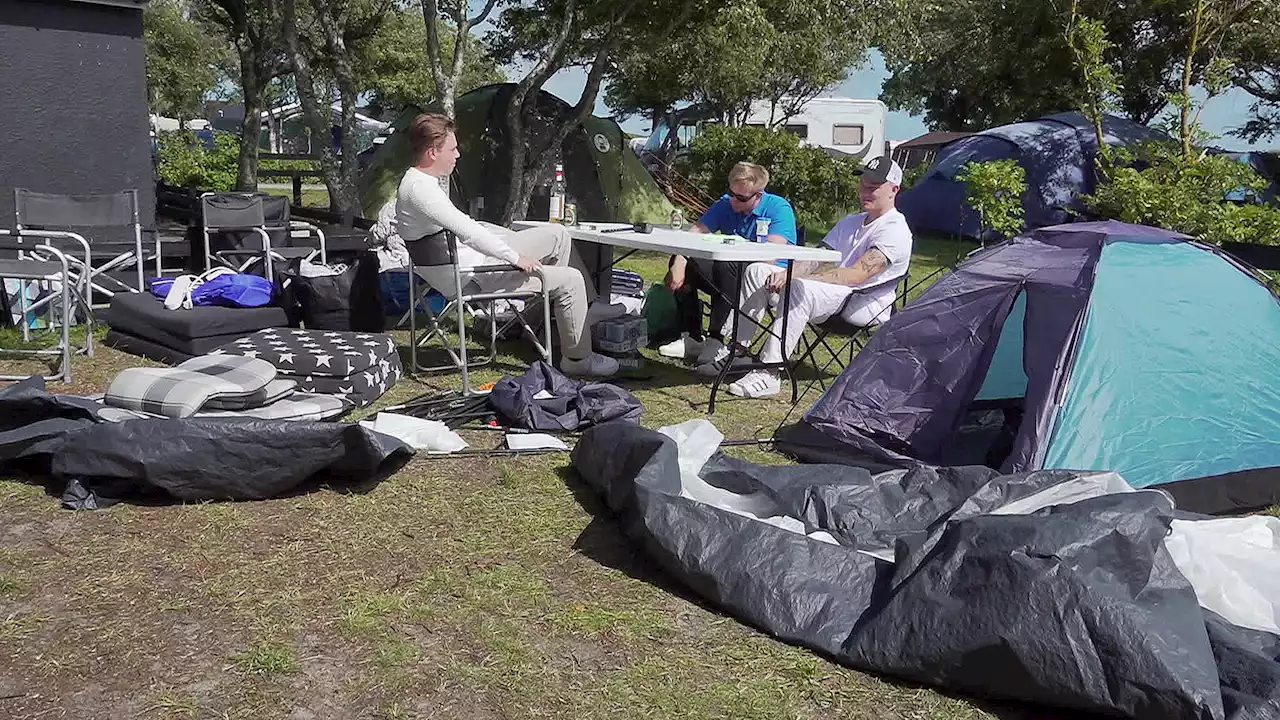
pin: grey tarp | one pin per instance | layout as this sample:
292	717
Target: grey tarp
936	576
62	439
572	405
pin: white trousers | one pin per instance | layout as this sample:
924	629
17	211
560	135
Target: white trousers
812	301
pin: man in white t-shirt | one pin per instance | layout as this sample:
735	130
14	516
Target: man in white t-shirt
875	250
423	209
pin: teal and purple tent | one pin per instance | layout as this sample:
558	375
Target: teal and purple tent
1087	346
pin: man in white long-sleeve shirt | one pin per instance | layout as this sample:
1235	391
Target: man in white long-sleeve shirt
423	208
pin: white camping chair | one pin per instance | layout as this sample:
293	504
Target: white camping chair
91	218
246	212
37	260
439	250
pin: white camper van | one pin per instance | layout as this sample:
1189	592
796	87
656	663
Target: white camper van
850	126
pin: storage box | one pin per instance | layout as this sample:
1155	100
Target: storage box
621	335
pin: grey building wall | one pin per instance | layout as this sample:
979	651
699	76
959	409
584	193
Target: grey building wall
73	101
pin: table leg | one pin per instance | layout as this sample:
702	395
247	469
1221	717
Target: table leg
786	307
731	341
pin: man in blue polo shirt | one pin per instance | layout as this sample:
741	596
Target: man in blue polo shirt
748	211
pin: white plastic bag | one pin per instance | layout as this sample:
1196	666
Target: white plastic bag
430	435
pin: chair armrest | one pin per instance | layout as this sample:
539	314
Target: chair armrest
482	269
9	244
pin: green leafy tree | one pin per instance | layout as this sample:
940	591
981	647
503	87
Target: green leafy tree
321	43
184	62
994	190
1255	48
821	188
254	28
973	64
184	161
547	36
1157	184
450	58
396	71
727	56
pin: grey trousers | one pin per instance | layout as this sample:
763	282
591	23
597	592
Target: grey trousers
567	282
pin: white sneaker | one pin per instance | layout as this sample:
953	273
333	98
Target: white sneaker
594	365
682	349
711	351
756	384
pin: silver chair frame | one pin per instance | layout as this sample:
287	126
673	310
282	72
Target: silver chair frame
66	293
440	250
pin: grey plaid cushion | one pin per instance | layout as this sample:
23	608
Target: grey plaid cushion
298	406
181	391
275	390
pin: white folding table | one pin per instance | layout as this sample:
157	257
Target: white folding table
694	245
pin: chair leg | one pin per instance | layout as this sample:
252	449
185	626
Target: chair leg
66	334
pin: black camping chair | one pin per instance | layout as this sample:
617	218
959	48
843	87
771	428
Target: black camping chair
105	225
259	228
856	336
441	250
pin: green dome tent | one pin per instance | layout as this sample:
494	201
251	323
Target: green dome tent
603	175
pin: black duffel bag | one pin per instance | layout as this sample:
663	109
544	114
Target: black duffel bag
343	296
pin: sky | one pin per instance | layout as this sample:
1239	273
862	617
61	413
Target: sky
1220	115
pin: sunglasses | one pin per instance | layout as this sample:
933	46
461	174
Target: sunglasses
743	198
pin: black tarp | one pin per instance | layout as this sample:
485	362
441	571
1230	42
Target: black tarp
573	405
1073	606
61	439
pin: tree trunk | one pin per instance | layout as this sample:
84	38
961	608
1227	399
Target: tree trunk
349	202
319	119
1184	108
251	126
525	178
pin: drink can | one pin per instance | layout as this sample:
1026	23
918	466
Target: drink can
677	219
571	214
762	229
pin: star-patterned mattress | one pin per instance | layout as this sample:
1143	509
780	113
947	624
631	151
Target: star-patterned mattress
357	366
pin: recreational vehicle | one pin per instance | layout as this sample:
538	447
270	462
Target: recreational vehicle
841	126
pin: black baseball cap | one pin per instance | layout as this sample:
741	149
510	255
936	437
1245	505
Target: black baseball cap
881	170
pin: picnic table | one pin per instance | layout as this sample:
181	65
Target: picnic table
707	247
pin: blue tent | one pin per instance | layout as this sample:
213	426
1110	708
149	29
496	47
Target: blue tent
1057	152
1086	346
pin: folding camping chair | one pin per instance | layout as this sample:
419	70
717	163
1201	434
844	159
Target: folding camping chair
44	263
442	249
90	218
856	335
246	213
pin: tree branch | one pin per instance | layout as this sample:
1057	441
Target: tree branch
484	13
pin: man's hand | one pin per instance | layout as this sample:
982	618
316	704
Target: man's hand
675	275
776	281
527	264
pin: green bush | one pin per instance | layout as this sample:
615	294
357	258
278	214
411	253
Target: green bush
994	190
822	189
183	161
1153	183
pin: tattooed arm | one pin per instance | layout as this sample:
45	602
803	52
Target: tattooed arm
871	263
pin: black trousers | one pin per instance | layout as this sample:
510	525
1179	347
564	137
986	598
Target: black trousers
707	276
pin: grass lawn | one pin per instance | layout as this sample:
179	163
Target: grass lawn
459	588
